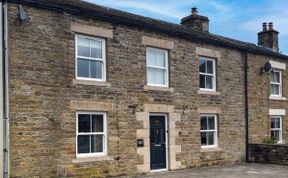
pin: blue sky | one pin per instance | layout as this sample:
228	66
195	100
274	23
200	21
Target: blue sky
238	19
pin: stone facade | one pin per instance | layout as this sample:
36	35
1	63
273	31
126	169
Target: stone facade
45	96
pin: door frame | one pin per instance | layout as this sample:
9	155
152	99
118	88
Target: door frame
166	141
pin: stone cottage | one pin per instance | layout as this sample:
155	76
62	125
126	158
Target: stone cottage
89	91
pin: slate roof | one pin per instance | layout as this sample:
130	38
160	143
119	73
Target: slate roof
82	8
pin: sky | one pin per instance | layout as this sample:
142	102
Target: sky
237	19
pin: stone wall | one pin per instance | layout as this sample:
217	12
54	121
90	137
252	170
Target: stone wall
264	153
45	97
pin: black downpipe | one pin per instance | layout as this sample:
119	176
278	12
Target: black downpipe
246	105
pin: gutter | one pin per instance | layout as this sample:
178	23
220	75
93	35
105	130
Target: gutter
246	104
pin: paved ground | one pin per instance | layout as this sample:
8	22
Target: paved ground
245	170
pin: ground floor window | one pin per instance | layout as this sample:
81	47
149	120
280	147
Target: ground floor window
208	130
276	128
91	133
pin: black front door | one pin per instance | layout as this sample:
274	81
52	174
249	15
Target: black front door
157	142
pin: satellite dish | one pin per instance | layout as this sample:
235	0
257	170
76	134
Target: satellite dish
266	68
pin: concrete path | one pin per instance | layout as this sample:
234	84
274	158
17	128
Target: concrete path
245	170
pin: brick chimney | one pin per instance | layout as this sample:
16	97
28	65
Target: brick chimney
196	22
268	37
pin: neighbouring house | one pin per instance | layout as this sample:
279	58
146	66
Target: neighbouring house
89	91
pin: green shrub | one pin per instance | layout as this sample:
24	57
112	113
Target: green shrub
269	140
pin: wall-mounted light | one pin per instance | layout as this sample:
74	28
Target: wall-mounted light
22	16
266	68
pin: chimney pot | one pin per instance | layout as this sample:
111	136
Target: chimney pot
264	26
270	26
194	11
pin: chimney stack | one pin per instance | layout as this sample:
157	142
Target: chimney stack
268	37
196	22
194	11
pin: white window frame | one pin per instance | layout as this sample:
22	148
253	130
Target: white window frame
275	83
91	58
207	74
277	129
215	145
104	133
156	67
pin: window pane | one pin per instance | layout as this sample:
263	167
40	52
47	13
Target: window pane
210	67
83	47
156	76
83	144
273	76
203	123
211	123
96	49
277	122
210	136
202	81
97	143
151	76
151	57
209	82
97	122
160	77
273	123
203	138
160	59
277	77
82	68
202	66
96	69
84	123
275	134
275	89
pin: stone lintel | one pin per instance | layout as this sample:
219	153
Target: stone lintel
278	65
91	30
159	108
209	110
90	106
208	52
277	112
165	44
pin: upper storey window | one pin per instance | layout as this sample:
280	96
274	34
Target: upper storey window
276	83
207	74
90	58
157	67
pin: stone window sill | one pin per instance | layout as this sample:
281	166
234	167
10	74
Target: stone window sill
93	83
156	88
92	159
277	98
210	149
203	92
